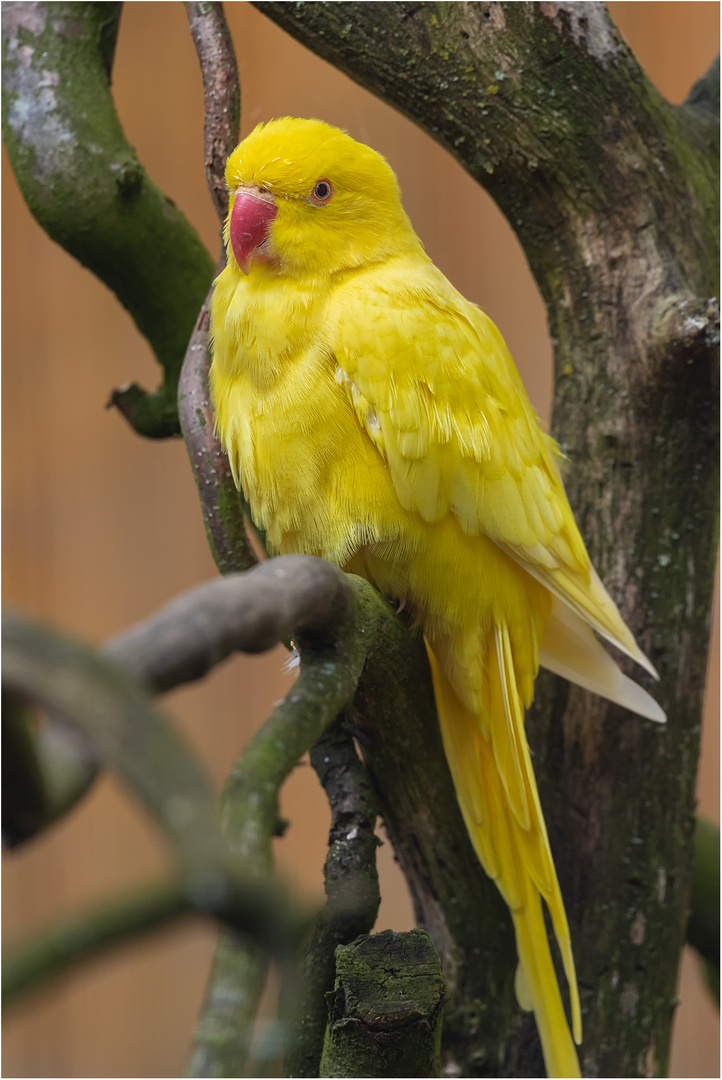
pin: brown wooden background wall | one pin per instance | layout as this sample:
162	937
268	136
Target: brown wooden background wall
101	527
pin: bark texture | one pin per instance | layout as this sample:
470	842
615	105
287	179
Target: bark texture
385	1011
352	891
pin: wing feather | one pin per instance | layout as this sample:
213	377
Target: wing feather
452	419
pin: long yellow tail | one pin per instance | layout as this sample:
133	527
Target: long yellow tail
491	767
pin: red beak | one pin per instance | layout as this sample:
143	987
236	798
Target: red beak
251	219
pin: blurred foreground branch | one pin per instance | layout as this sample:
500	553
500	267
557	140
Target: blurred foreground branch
54	951
335	620
50	769
125	732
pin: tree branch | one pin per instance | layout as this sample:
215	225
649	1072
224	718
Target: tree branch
385	1015
248	612
537	102
121	729
57	950
85	186
125	732
352	891
224	510
51	769
331	662
221	93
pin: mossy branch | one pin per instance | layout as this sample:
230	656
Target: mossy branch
385	1012
85	186
533	100
51	768
331	662
57	950
124	731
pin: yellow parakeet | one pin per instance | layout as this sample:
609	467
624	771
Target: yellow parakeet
374	417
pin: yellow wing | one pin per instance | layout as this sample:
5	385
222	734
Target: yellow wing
435	388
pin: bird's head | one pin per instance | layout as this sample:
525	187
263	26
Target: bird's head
307	199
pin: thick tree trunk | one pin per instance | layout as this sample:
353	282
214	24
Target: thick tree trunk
613	194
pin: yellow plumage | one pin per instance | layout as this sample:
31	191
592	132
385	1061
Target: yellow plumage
375	418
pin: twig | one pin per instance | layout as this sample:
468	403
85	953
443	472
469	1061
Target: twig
352	890
224	510
222	505
221	93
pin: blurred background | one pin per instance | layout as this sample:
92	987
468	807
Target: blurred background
101	527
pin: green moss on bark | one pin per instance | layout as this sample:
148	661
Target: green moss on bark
385	1011
85	186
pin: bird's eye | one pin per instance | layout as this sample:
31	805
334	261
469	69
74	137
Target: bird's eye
322	192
